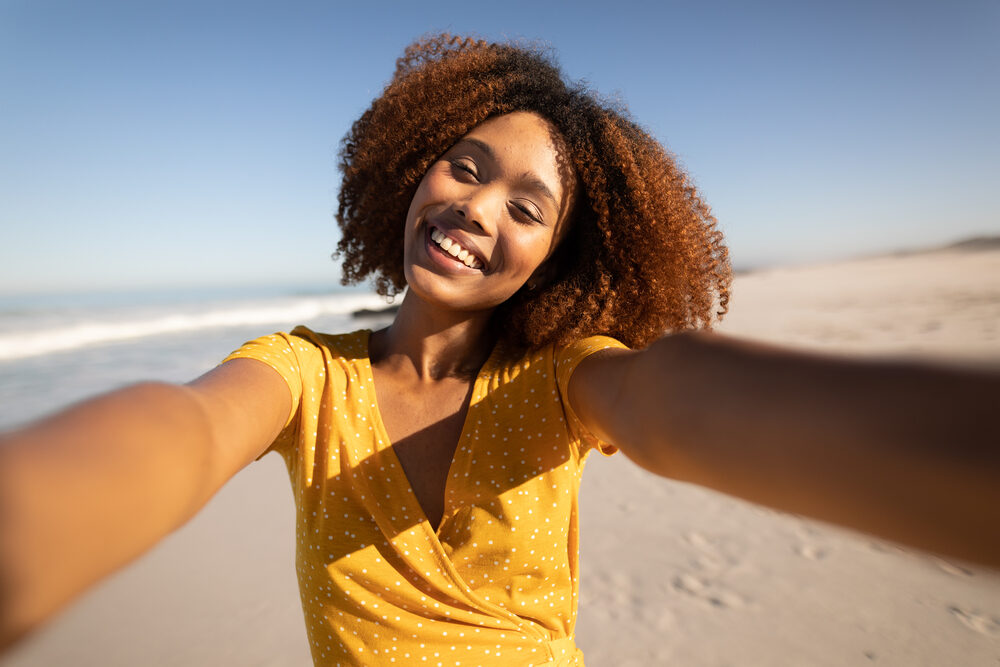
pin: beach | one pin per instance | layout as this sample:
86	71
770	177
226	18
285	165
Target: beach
671	574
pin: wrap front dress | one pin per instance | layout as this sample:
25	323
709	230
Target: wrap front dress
497	582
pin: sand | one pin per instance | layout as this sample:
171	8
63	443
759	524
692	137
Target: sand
672	574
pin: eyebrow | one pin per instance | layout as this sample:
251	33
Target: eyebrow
530	179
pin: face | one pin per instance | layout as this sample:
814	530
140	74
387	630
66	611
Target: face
488	214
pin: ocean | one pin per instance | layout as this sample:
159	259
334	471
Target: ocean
56	349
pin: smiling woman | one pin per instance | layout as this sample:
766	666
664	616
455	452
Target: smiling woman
436	463
498	197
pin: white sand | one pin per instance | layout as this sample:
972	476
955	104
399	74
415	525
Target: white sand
671	574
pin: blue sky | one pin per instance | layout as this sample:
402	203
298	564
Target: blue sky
194	143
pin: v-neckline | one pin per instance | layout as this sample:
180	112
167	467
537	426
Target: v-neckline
478	392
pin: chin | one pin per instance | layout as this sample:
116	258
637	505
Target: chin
432	289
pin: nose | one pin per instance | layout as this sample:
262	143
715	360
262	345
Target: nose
480	209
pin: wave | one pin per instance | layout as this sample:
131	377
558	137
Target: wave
36	342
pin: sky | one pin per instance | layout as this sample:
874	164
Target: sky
180	144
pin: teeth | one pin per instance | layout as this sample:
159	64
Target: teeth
455	250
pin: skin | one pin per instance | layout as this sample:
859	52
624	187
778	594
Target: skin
499	193
108	478
904	451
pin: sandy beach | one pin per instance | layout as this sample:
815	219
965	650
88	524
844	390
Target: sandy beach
672	574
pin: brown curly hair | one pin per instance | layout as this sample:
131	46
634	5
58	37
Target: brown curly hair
643	255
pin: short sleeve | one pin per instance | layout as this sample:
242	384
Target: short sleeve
566	361
279	351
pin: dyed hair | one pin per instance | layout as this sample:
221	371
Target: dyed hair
642	257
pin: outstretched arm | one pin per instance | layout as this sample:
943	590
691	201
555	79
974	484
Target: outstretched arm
87	490
907	451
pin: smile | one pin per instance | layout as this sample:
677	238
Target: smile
453	248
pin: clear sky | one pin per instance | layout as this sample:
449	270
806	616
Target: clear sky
184	143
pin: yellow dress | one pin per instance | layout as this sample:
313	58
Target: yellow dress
497	582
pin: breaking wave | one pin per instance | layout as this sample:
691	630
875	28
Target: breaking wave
29	342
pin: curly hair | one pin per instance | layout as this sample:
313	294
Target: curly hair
643	256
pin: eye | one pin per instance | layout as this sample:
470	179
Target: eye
526	210
465	166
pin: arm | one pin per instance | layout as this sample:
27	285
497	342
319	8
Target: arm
87	490
906	451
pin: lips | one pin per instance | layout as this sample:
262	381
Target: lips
459	252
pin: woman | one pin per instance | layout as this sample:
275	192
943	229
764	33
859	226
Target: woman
436	463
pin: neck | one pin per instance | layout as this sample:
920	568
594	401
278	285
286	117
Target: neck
434	344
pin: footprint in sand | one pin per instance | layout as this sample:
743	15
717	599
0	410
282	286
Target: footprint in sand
952	568
705	545
886	548
806	530
707	591
811	551
707	563
712	554
708	557
978	622
687	583
696	539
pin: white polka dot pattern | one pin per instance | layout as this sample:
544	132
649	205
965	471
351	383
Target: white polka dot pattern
497	583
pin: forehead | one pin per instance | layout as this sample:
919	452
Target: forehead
526	124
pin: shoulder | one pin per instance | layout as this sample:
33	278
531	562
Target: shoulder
559	357
568	357
551	363
303	342
303	356
348	345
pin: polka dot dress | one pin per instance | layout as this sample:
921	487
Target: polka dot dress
497	582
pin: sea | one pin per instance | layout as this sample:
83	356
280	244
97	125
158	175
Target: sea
56	349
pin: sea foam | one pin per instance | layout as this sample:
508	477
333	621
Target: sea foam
103	328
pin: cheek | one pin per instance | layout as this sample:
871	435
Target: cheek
429	198
415	203
530	255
